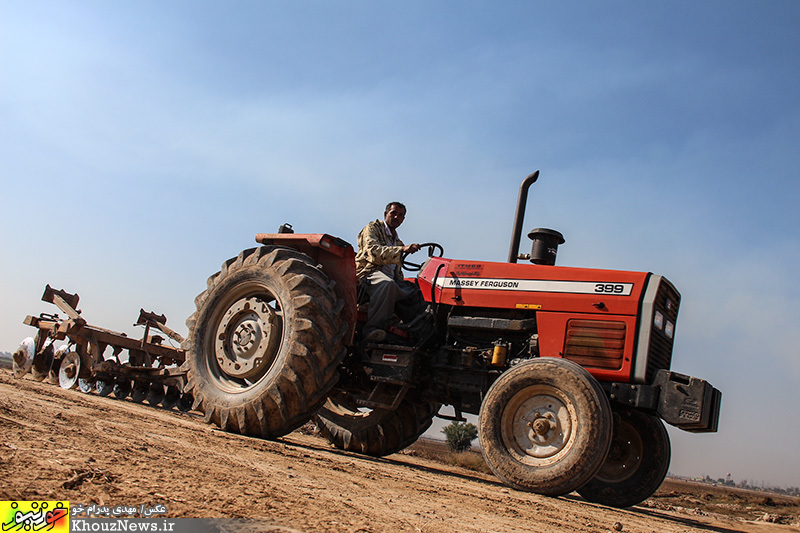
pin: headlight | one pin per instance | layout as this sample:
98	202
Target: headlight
669	331
658	320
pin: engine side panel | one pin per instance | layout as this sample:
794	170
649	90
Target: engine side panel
537	287
603	345
589	316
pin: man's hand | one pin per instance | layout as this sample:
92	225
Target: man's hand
411	248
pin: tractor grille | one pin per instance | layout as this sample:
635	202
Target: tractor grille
667	302
595	343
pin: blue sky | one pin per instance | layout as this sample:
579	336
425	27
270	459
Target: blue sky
143	143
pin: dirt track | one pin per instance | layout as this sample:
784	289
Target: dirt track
58	444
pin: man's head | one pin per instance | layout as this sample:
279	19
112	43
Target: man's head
394	214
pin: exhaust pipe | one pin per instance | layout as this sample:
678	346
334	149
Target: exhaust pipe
519	217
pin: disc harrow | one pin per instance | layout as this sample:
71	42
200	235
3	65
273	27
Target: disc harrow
92	360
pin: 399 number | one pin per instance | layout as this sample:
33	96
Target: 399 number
609	288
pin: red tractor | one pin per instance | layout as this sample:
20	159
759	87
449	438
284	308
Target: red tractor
567	368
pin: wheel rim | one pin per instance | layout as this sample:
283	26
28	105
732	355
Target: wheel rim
245	338
625	456
539	425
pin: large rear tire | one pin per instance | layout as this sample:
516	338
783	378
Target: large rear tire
545	426
636	464
265	342
375	432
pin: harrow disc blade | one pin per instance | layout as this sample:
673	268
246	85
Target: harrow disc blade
186	401
171	398
58	356
155	395
69	369
22	360
104	387
42	362
85	385
139	392
122	388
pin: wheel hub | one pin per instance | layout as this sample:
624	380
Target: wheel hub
625	455
542	426
247	338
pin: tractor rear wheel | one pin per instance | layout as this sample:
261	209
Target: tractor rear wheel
545	426
375	432
635	466
265	342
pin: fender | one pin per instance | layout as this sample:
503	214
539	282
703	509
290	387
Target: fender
337	259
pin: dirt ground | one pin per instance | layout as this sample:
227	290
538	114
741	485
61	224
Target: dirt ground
64	445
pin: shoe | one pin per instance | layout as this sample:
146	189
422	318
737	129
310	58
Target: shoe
376	335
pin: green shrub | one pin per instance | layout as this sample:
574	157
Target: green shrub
459	435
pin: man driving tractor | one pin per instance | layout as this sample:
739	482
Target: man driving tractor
378	269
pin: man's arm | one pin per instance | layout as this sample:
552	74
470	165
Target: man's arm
372	244
372	247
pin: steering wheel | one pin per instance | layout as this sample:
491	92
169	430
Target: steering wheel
434	250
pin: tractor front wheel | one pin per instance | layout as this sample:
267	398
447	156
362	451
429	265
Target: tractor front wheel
637	462
545	426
